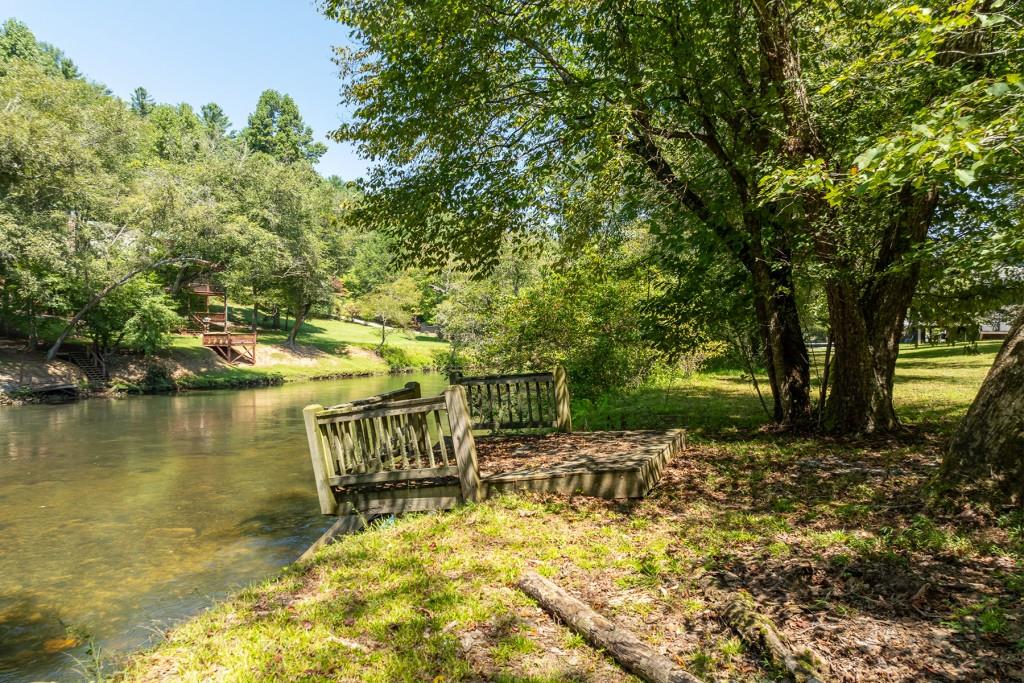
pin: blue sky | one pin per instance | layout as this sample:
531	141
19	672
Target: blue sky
224	51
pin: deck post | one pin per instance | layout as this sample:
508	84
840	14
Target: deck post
414	389
463	443
563	407
328	506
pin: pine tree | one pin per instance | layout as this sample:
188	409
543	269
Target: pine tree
276	128
215	120
142	104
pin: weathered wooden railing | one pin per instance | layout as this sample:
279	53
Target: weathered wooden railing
383	455
207	289
204	320
524	401
410	390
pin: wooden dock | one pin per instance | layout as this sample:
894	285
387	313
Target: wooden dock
398	452
233	347
624	464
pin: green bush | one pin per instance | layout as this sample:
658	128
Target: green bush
150	327
158	378
588	322
446	360
396	358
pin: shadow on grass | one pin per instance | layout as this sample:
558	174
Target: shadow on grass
937	378
969	363
845	527
909	354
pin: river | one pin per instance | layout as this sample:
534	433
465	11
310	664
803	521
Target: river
121	517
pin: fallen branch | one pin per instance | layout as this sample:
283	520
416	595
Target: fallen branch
633	654
740	612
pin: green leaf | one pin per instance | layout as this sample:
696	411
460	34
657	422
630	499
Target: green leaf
965	176
922	129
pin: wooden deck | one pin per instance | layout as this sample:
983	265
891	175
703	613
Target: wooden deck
233	347
613	465
598	464
398	452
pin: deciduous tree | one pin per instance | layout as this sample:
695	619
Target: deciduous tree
728	124
987	452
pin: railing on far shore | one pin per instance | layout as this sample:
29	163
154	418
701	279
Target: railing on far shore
233	346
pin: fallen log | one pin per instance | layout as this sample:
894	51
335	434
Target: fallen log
633	654
740	612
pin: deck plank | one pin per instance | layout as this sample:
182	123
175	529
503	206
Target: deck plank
599	464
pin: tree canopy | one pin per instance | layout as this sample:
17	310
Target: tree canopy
107	208
810	146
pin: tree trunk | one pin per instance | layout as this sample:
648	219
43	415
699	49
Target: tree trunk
277	317
300	317
988	447
867	322
789	372
864	363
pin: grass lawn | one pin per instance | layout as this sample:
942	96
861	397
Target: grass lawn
337	337
834	538
325	348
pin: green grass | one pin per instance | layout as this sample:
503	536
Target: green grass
829	528
336	336
933	384
327	348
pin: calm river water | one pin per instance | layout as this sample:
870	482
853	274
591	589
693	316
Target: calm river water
121	517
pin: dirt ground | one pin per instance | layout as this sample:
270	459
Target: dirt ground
18	368
938	599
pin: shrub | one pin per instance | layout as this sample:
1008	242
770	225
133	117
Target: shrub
446	360
396	358
150	327
158	378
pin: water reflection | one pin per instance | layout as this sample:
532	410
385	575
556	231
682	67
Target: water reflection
118	517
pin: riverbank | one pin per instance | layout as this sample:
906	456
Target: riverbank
835	539
324	349
172	501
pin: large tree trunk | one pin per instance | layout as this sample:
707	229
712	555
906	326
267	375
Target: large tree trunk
864	363
867	323
786	357
988	447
